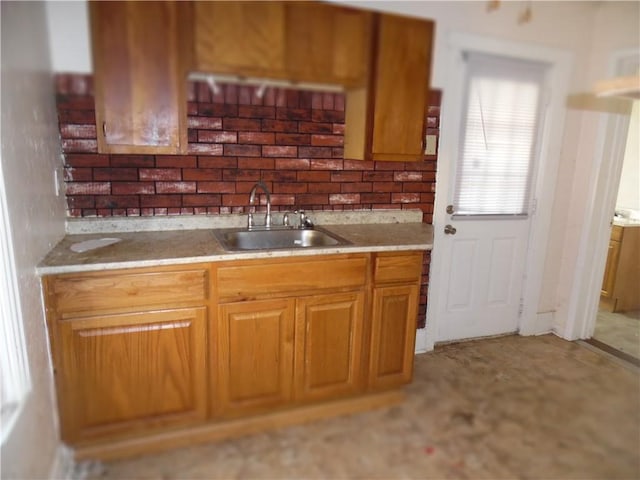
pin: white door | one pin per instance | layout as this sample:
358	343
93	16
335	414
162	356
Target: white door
483	246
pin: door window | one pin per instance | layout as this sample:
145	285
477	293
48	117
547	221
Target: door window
499	132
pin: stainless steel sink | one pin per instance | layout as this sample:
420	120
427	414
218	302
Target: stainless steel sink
242	239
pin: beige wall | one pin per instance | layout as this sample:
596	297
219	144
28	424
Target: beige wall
629	191
30	152
616	28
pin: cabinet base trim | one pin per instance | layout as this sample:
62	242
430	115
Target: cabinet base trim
221	431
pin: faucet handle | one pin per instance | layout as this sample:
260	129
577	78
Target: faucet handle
305	222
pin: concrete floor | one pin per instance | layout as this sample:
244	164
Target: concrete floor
510	407
620	331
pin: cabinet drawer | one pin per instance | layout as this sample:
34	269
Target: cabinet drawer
616	233
263	278
398	267
112	291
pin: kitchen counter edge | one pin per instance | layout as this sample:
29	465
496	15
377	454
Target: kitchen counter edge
157	248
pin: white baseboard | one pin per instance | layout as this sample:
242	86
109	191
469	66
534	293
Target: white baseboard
66	468
63	464
422	346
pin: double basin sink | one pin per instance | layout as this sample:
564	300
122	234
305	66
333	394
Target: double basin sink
242	239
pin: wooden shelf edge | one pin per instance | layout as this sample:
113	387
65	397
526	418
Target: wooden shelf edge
219	431
626	87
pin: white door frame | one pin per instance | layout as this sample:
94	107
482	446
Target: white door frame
560	63
596	228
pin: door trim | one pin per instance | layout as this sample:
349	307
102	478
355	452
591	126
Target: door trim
560	63
596	229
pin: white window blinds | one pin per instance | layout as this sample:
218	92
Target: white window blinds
498	135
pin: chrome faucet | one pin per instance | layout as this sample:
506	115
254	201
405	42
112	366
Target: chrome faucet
252	197
304	222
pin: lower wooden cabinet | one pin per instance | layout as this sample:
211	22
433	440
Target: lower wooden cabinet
395	311
393	335
329	346
610	269
255	356
150	355
129	350
131	372
620	292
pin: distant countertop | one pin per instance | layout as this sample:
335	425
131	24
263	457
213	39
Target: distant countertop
626	222
154	248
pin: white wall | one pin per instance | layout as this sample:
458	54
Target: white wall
69	46
629	191
30	152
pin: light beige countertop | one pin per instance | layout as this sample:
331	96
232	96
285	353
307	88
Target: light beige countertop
626	222
154	248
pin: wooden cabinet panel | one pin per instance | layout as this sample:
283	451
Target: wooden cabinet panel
620	292
140	83
394	267
401	87
240	38
616	233
296	41
136	356
395	311
102	291
386	120
611	268
255	362
131	372
328	346
247	280
327	44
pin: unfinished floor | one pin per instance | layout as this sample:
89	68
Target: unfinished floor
511	407
620	331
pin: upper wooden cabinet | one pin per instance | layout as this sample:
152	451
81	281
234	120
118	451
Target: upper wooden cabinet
143	52
245	38
140	76
387	119
297	41
327	44
400	86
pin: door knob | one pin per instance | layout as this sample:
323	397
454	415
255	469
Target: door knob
450	230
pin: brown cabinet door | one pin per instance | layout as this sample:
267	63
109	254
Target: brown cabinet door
328	346
327	44
610	270
131	373
401	85
140	84
255	356
240	38
395	310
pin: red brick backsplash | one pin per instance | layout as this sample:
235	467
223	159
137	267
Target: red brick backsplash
290	139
